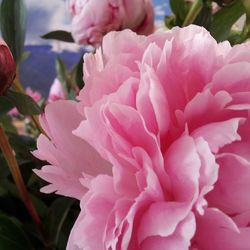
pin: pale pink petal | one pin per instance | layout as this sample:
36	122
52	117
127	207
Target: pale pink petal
179	240
204	108
157	221
232	78
182	163
72	158
151	102
229	194
219	134
216	230
88	231
208	172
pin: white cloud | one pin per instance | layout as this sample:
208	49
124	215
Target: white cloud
45	16
159	10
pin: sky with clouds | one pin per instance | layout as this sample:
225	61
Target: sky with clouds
48	15
45	16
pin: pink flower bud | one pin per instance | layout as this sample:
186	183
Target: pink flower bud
93	19
7	67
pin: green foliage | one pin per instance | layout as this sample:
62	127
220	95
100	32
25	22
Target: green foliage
179	8
5	105
59	35
205	17
12	235
56	216
224	19
245	34
13	25
219	22
72	81
24	103
77	73
62	75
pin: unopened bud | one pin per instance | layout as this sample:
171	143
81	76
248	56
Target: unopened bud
7	67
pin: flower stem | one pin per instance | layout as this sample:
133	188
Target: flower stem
10	158
193	12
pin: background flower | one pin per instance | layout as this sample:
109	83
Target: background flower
56	91
93	19
173	121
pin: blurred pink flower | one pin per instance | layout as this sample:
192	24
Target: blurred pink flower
168	114
92	19
56	91
34	94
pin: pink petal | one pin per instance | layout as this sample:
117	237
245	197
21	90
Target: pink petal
179	240
219	134
161	219
152	103
229	194
182	163
68	160
217	231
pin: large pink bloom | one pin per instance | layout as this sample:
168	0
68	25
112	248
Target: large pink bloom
170	114
92	19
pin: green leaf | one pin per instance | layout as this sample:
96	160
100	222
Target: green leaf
40	206
6	121
23	145
62	75
59	35
58	212
5	105
13	25
246	4
224	19
77	73
12	236
169	21
245	34
179	9
204	18
234	37
24	103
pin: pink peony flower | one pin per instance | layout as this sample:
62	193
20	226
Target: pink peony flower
167	120
92	19
56	91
